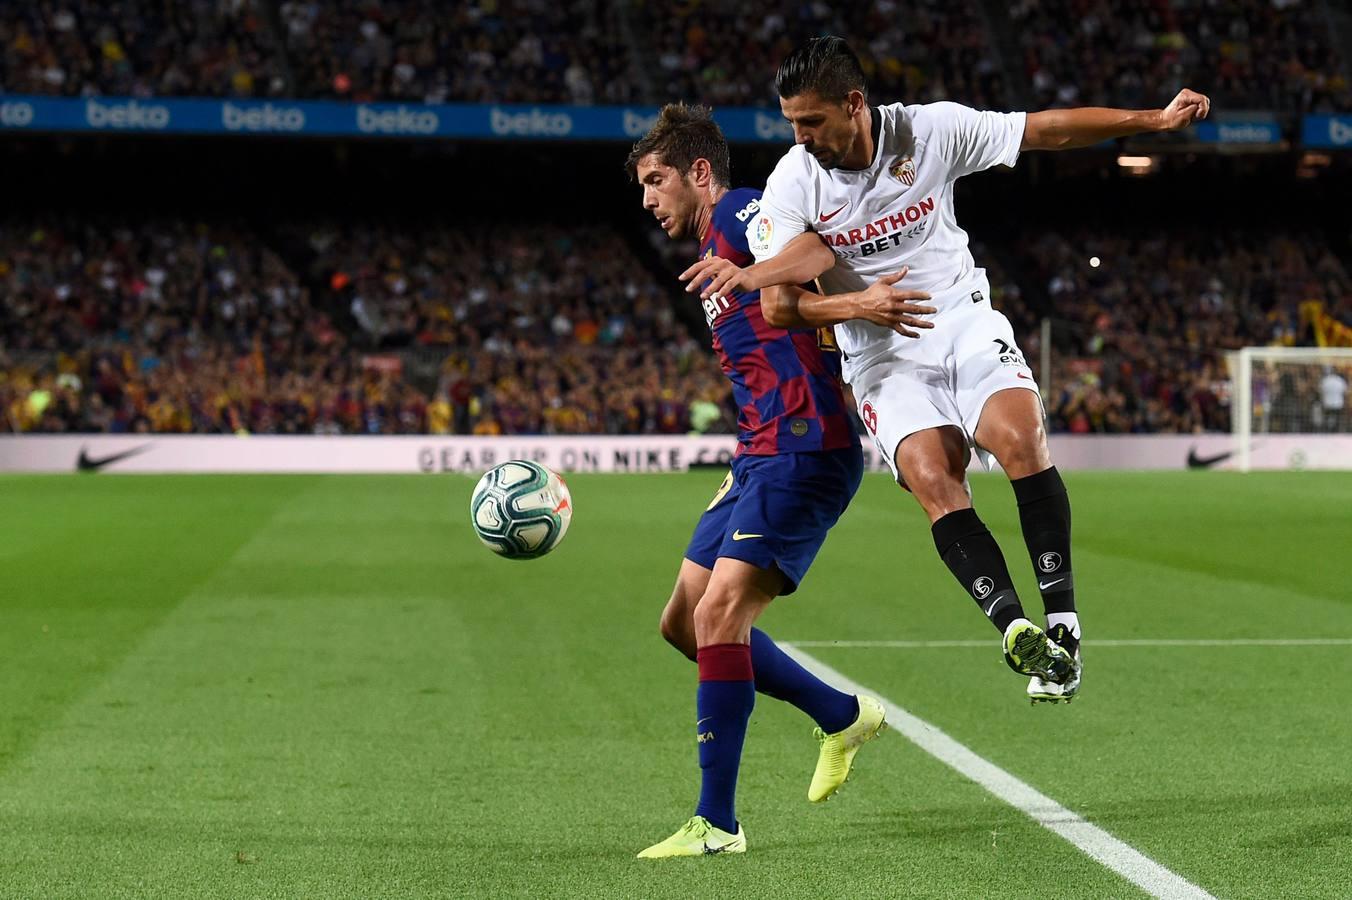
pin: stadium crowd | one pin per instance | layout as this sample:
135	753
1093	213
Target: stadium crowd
139	48
508	51
1141	333
724	53
177	326
1251	54
173	326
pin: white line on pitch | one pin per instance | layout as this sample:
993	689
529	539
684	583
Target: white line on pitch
1098	844
1099	642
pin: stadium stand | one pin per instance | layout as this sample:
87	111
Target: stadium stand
1252	54
516	51
140	48
336	325
190	327
723	53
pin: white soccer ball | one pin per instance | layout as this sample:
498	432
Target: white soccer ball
520	509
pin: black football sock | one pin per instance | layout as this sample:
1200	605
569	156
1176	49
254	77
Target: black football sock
1044	512
966	546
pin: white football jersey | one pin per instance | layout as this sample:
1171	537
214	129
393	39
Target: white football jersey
897	212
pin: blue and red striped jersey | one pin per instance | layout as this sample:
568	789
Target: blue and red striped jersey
786	381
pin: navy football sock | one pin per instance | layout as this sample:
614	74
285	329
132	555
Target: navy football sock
726	695
779	676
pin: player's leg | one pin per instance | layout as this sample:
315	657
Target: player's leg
738	592
933	465
678	616
1002	410
777	674
1010	427
908	406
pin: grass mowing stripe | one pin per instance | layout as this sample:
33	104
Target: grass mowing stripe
1101	642
1096	843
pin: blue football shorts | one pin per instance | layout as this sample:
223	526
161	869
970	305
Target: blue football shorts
774	511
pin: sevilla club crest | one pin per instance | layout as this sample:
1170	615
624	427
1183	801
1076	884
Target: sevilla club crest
904	171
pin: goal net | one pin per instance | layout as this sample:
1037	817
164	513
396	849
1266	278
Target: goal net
1289	391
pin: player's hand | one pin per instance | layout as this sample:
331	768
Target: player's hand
884	304
1185	109
724	277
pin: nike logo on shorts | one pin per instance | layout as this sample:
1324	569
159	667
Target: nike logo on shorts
738	536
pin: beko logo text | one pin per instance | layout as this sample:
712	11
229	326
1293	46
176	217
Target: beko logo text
16	115
769	128
636	124
400	120
126	115
533	122
262	118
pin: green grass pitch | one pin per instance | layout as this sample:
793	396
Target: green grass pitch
325	687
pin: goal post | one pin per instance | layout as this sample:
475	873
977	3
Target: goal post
1288	391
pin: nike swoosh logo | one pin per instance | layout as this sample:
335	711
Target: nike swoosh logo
992	606
702	721
738	536
86	463
1043	586
826	217
1206	462
1021	375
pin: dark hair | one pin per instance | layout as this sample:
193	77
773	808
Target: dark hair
824	65
682	135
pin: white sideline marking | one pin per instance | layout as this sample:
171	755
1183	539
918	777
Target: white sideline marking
1146	642
1098	844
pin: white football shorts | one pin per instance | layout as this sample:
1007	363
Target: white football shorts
943	377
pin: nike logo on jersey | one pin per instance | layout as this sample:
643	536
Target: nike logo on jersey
826	217
738	536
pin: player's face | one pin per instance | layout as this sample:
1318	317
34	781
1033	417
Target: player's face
826	128
670	196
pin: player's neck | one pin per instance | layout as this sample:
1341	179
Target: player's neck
861	154
704	219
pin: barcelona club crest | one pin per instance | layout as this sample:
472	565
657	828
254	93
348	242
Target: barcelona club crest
904	171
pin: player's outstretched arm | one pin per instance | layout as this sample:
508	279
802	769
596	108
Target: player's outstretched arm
802	259
882	303
1066	129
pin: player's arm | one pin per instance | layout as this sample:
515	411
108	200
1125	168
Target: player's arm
803	259
882	303
1066	129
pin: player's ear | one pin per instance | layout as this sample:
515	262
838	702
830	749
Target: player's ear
702	171
855	101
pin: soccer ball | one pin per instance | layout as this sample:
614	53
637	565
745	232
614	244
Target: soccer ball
520	509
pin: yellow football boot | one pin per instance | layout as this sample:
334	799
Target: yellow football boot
838	750
698	838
